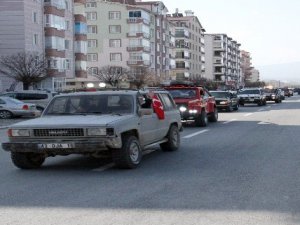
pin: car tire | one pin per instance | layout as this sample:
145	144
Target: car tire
229	108
214	116
40	108
236	108
4	114
202	120
173	142
129	155
27	160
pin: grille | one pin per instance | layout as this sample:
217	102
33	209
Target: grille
71	132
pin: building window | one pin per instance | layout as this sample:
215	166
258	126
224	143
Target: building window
92	57
35	39
112	15
115	57
67	25
67	44
92	70
35	17
67	64
135	14
92	43
114	29
115	43
91	16
92	29
91	5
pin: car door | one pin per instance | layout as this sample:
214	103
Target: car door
210	102
148	124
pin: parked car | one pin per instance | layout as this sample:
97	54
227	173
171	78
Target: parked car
119	124
252	95
273	95
226	100
37	97
291	91
194	102
10	107
286	92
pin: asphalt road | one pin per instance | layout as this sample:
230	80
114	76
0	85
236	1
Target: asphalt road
244	169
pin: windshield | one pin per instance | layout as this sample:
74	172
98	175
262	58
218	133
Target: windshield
183	93
270	90
220	94
249	92
90	104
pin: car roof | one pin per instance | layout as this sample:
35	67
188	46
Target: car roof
109	92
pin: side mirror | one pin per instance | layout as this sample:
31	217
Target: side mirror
143	112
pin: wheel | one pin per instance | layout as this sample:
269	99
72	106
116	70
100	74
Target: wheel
229	108
129	155
4	114
264	102
214	116
236	107
173	140
202	120
27	160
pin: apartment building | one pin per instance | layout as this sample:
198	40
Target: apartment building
254	75
134	35
189	46
45	27
246	66
223	60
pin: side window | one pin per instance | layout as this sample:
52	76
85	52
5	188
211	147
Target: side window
168	103
206	94
2	102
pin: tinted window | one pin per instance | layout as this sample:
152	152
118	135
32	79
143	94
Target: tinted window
31	96
219	94
250	92
183	93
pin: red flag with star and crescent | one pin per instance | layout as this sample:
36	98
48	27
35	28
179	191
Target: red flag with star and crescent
158	107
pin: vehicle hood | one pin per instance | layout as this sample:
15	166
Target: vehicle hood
72	121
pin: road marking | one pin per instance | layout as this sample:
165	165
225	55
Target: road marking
194	134
260	110
248	114
105	167
264	123
229	121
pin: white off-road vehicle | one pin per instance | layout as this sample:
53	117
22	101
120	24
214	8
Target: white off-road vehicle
120	124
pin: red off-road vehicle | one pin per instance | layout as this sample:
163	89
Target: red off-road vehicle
194	103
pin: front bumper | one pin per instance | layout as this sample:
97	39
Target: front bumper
250	100
74	147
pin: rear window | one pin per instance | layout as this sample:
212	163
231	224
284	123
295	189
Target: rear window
250	92
183	93
220	94
31	96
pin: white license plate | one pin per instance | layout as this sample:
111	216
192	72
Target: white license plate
56	145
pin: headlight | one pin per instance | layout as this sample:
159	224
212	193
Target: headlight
193	111
96	131
182	109
224	102
18	133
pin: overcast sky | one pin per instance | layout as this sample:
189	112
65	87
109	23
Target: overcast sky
268	29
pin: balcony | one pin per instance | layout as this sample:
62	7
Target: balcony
138	48
138	34
133	62
138	20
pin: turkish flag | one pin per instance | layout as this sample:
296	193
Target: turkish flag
158	107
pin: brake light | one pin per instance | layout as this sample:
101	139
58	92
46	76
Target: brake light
25	107
9	132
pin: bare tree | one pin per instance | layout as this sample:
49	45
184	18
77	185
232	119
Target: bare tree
140	77
111	75
26	67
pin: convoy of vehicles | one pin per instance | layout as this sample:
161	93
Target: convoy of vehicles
119	124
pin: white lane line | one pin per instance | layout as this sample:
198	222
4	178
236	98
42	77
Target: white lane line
248	114
105	167
194	134
263	123
229	121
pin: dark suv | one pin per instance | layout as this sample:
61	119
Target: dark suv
273	95
194	103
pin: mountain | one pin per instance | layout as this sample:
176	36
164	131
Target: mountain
287	72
